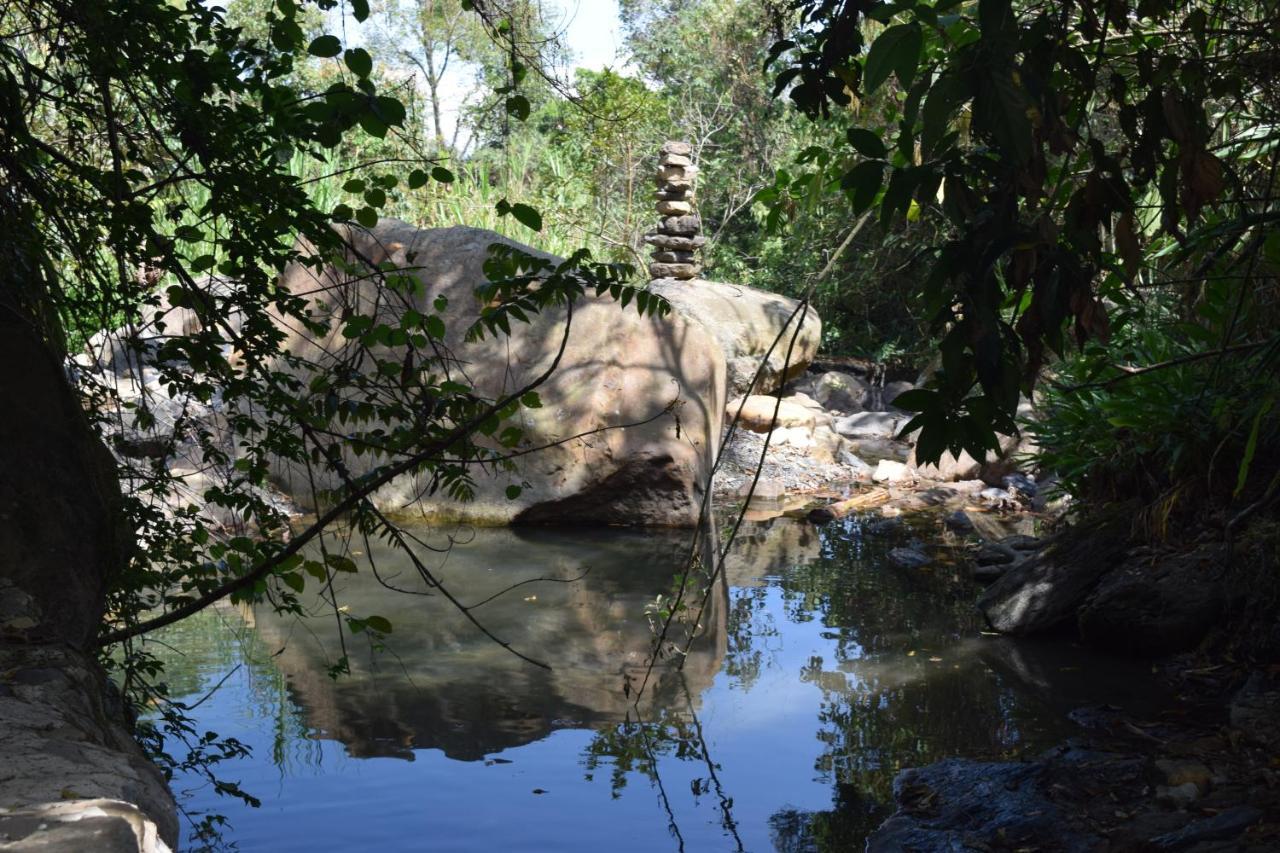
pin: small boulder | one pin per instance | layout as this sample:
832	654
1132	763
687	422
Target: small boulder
765	490
959	522
888	471
841	391
884	397
909	558
758	413
870	425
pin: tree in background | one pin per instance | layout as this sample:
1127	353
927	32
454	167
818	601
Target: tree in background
1103	174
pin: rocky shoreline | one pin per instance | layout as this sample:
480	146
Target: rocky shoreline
1200	776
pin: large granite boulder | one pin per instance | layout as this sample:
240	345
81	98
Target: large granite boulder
617	368
746	322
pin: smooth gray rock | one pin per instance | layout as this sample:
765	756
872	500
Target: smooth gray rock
871	425
959	806
843	392
1047	589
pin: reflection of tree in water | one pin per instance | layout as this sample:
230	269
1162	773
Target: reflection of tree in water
750	625
904	687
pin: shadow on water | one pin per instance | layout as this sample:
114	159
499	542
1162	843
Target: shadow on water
819	672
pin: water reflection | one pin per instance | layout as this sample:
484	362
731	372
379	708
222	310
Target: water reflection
575	600
819	671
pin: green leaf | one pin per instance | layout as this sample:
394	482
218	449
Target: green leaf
867	143
441	174
389	111
513	492
325	47
360	9
378	623
518	107
1250	448
863	182
527	216
294	581
897	51
367	216
355	185
531	400
918	400
946	96
359	61
342	213
1000	112
417	178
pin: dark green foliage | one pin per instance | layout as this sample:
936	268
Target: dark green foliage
1070	154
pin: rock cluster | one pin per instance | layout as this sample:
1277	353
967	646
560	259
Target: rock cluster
676	240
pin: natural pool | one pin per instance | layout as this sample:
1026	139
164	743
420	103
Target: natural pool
821	669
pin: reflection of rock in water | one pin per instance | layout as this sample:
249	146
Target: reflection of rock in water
768	550
441	684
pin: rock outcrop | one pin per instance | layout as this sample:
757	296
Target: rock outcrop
1156	605
749	325
617	368
1046	590
65	743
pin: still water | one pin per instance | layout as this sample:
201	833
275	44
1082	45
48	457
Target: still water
817	671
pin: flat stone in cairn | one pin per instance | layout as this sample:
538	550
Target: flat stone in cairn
675	257
673	193
677	175
675	160
674	208
683	148
684	271
681	226
672	243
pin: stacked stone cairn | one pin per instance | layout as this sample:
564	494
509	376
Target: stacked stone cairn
676	239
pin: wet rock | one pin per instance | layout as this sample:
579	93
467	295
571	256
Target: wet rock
886	526
1223	826
995	554
1047	589
960	805
1178	773
1178	796
103	826
1255	710
1153	608
909	558
959	522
